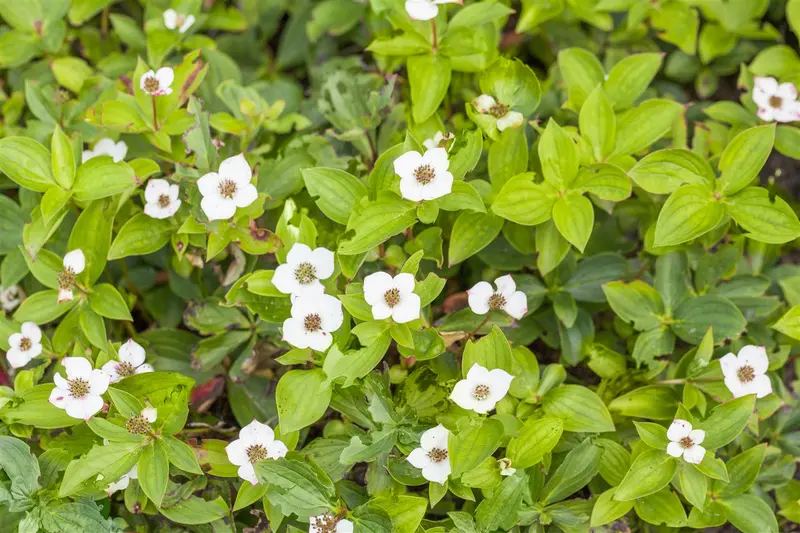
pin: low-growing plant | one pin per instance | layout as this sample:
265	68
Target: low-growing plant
399	266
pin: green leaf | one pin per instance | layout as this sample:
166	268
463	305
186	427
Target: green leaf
302	397
429	78
582	72
559	156
141	235
663	171
355	364
663	507
694	485
629	78
337	191
654	402
27	163
303	487
478	14
535	439
525	202
581	409
727	421
744	156
100	177
153	467
607	182
578	468
194	511
63	159
42	307
766	218
503	505
689	212
508	157
471	446
598	124
650	472
654	435
750	514
606	509
92	234
112	461
472	232
379	220
744	469
106	301
511	82
20	465
462	196
574	217
645	124
789	324
491	351
77	516
694	316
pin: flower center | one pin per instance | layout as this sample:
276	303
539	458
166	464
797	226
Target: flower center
775	102
424	174
746	374
256	453
227	188
78	388
181	19
497	301
392	297
326	523
125	369
480	392
686	443
61	97
66	278
151	85
138	425
25	344
163	201
305	273
312	323
498	110
437	455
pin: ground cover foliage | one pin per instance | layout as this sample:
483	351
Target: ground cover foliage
399	266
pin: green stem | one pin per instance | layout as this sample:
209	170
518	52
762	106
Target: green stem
155	113
434	35
683	381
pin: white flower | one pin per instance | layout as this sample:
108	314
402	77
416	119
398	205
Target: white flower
173	19
329	523
140	424
313	319
157	83
74	264
747	373
303	269
439	140
776	102
432	455
123	482
223	192
162	199
483	298
427	9
686	441
11	297
482	389
506	118
505	467
256	442
424	177
80	393
131	361
392	297
107	146
24	346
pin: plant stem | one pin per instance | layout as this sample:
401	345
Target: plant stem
485	320
434	35
682	381
155	113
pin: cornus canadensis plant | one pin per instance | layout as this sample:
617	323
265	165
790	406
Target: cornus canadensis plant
422	266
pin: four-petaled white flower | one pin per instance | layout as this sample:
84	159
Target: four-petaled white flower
25	345
223	192
746	373
505	467
11	297
424	176
256	442
482	389
106	146
158	83
123	482
432	456
686	441
80	392
439	140
314	318
487	105
427	9
74	264
173	19
392	297
483	298
329	523
303	269
161	199
776	102
131	361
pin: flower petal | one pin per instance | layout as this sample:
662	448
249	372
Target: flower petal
437	157
406	164
478	297
59	397
694	454
77	367
319	340
236	169
729	364
478	374
506	285
344	526
735	386
411	189
32	331
462	395
98	382
150	414
407	309
300	253
171	19
762	386
85	407
678	430
787	91
499	383
330	311
75	261
218	208
436	437
147	75
754	357
277	449
674	449
323	262
381	311
245	195
17	358
295	333
441	185
512	119
697	436
421	9
375	287
155	188
483	103
404	282
257	433
437	472
237	452
248	473
419	458
143	369
131	352
517	305
208	185
284	279
165	77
